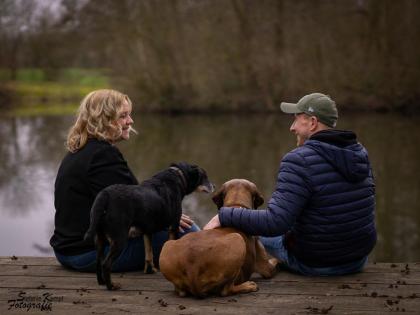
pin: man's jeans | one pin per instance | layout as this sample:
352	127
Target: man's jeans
275	247
132	258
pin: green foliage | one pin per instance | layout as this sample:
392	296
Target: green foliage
4	75
44	110
33	94
30	75
84	77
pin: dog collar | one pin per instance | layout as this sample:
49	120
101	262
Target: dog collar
184	181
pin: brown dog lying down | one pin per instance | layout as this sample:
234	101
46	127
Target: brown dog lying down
222	260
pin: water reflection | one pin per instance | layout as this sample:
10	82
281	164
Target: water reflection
227	146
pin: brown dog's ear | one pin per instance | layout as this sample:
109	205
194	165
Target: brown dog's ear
219	196
258	199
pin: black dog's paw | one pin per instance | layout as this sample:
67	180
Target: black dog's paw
101	281
100	278
114	286
150	269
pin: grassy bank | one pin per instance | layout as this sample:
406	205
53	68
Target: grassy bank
40	92
34	92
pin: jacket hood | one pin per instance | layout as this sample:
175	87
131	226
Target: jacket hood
341	149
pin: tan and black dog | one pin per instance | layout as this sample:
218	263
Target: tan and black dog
219	261
152	206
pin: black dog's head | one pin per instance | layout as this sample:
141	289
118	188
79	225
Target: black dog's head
195	177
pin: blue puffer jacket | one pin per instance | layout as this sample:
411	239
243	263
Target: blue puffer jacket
324	202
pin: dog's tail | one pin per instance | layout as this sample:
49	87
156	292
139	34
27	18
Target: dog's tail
96	213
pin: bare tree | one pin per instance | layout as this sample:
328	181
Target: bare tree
16	17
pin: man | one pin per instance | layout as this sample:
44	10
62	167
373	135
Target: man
320	218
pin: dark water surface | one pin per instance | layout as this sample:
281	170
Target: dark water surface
227	146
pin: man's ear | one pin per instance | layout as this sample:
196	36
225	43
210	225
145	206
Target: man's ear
314	123
219	196
258	199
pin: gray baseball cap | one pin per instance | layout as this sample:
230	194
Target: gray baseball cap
315	104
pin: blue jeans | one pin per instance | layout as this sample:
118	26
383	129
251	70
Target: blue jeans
131	259
275	247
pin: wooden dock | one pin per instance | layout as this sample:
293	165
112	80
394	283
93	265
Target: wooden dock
34	285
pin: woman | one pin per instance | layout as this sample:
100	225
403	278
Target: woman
93	163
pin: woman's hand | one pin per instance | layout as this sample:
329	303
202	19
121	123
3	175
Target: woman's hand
213	223
185	223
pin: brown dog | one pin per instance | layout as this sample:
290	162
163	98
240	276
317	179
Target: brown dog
222	260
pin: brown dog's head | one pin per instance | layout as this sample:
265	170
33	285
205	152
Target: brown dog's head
238	193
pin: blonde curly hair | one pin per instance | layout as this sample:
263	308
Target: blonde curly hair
97	118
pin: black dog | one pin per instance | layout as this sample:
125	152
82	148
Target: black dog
152	206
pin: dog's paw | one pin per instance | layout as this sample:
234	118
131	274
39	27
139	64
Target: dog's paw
101	281
114	286
274	261
252	286
181	293
100	278
149	269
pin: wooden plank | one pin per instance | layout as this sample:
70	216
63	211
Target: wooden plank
371	268
28	260
253	303
160	284
398	268
396	278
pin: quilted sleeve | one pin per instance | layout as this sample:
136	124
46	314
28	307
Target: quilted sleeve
287	201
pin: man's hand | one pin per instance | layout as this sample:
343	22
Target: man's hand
185	223
213	223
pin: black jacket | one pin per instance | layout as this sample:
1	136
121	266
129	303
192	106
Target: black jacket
81	176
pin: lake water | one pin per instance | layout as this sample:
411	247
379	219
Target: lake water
227	146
